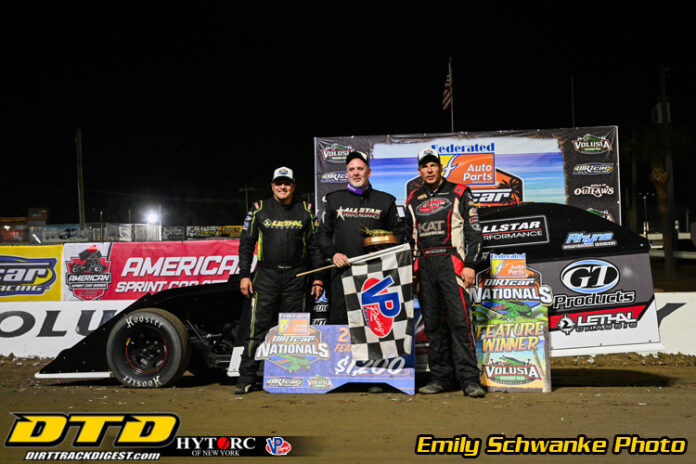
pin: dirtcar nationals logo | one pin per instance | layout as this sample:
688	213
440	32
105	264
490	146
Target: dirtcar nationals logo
88	275
26	276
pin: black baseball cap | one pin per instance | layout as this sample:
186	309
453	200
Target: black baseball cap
357	154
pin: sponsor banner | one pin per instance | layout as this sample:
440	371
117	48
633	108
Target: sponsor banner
208	232
30	273
129	270
44	329
607	301
320	360
577	166
511	324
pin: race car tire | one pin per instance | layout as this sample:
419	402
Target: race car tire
148	348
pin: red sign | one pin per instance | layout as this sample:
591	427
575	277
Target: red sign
138	268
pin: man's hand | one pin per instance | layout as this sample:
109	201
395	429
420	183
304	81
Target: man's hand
246	287
317	289
469	277
340	260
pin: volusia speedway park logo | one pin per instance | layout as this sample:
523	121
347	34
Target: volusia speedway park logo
26	276
88	275
591	144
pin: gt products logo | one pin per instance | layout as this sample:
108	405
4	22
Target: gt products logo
579	240
26	276
50	429
592	145
338	177
596	190
433	205
379	305
590	276
593	169
336	153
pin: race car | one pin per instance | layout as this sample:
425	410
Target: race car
155	340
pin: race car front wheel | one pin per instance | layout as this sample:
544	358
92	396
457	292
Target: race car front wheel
148	348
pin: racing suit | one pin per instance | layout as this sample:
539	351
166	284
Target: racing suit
447	238
345	212
286	239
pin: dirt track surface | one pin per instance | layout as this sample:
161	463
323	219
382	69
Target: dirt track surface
599	397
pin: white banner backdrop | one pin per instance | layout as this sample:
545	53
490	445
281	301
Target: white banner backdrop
45	328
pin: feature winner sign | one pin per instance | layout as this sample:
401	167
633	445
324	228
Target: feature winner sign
510	308
301	358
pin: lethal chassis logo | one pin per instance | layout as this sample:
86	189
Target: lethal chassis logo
597	322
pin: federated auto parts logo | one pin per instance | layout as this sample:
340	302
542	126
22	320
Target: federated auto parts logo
593	169
293	352
336	153
591	144
26	276
88	275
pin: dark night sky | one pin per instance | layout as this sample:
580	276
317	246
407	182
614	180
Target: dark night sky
182	108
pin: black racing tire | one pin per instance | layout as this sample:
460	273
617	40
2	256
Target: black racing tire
148	348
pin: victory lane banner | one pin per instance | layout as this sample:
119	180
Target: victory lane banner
378	289
303	358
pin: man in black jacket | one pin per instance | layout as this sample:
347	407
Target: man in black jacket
284	230
345	212
447	237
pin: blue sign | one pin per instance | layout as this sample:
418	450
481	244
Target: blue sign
321	361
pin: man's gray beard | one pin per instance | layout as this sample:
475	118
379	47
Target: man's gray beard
363	185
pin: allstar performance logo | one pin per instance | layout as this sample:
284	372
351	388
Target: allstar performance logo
360	213
530	230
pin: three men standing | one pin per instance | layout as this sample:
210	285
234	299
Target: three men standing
284	230
447	239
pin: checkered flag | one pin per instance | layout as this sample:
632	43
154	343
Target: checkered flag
378	289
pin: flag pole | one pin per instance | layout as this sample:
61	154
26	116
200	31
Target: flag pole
452	91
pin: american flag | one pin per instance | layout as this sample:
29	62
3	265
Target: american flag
447	94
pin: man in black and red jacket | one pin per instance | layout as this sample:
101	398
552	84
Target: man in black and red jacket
447	244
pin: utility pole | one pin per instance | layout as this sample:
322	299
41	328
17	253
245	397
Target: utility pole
80	180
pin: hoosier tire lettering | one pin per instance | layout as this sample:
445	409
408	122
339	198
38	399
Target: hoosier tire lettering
148	348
